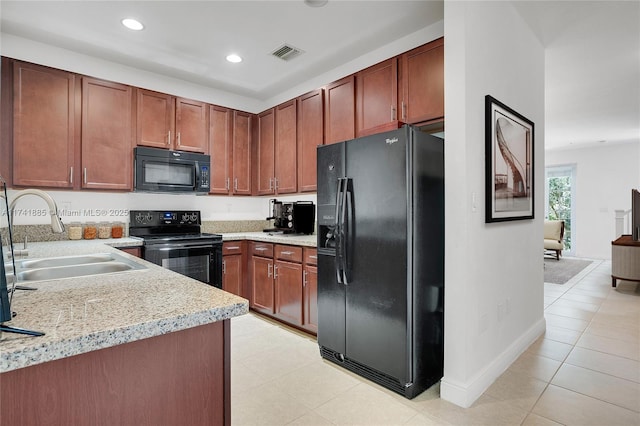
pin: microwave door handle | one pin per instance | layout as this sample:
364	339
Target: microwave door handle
197	176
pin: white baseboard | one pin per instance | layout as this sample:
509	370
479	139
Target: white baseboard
465	394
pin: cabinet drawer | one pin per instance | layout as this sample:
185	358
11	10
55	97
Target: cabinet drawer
232	247
310	256
290	253
262	249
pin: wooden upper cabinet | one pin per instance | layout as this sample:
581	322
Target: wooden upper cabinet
191	126
241	168
423	83
155	114
164	121
377	98
220	148
286	176
340	110
44	127
107	135
265	153
310	136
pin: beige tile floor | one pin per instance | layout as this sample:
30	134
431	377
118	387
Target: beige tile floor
585	370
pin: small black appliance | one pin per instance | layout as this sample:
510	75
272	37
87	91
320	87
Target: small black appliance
292	218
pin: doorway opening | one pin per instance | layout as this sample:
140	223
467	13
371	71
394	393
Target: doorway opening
560	201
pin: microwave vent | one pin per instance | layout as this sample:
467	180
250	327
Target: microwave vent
286	52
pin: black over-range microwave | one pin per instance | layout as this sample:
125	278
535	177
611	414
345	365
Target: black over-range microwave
162	170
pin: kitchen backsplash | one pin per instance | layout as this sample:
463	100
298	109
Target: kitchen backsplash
35	233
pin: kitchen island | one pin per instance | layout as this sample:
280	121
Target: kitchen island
138	347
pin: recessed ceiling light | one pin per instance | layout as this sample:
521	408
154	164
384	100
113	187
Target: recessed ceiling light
132	24
234	58
315	3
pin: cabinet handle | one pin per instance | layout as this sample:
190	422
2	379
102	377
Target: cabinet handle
84	175
404	111
261	249
233	247
270	184
275	183
269	270
178	138
169	138
275	271
393	113
313	257
71	175
235	184
286	253
228	180
224	268
304	278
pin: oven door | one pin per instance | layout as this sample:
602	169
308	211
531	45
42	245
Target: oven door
197	260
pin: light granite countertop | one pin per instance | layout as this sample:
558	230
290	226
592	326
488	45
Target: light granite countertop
84	314
278	238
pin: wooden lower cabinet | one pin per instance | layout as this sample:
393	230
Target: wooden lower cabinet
179	378
136	251
288	292
232	274
310	298
283	281
262	284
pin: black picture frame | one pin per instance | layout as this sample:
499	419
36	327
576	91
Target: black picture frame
509	163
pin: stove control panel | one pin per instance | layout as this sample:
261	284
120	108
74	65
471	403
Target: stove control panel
142	218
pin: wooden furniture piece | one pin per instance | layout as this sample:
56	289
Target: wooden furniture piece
553	236
625	260
175	378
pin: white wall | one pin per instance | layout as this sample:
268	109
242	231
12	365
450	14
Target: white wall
493	272
605	175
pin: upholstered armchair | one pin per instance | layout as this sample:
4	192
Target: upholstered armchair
553	236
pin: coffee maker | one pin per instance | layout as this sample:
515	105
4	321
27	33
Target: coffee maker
292	218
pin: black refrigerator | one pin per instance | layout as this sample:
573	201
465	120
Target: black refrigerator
381	257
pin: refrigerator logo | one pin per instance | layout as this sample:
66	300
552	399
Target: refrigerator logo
391	141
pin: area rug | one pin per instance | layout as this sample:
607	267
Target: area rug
561	271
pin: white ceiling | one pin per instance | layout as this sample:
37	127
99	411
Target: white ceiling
592	59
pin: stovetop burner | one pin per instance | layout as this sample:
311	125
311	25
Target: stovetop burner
155	226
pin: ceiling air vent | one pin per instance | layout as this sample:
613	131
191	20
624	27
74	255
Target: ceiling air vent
286	52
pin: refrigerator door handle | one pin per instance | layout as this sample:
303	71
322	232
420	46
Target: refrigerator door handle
338	232
342	244
347	228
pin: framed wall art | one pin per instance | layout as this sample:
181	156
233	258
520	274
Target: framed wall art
509	138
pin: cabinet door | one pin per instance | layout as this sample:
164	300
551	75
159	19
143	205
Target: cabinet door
191	126
107	139
310	298
44	138
377	97
423	83
265	152
310	136
241	169
155	114
286	176
340	110
232	274
220	144
288	295
262	284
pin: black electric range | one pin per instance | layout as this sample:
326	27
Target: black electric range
172	239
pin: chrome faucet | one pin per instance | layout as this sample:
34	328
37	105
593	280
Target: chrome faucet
56	223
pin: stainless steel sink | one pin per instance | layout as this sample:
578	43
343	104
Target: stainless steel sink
52	262
55	268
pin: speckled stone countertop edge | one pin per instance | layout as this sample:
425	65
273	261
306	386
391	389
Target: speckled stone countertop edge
295	240
108	338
